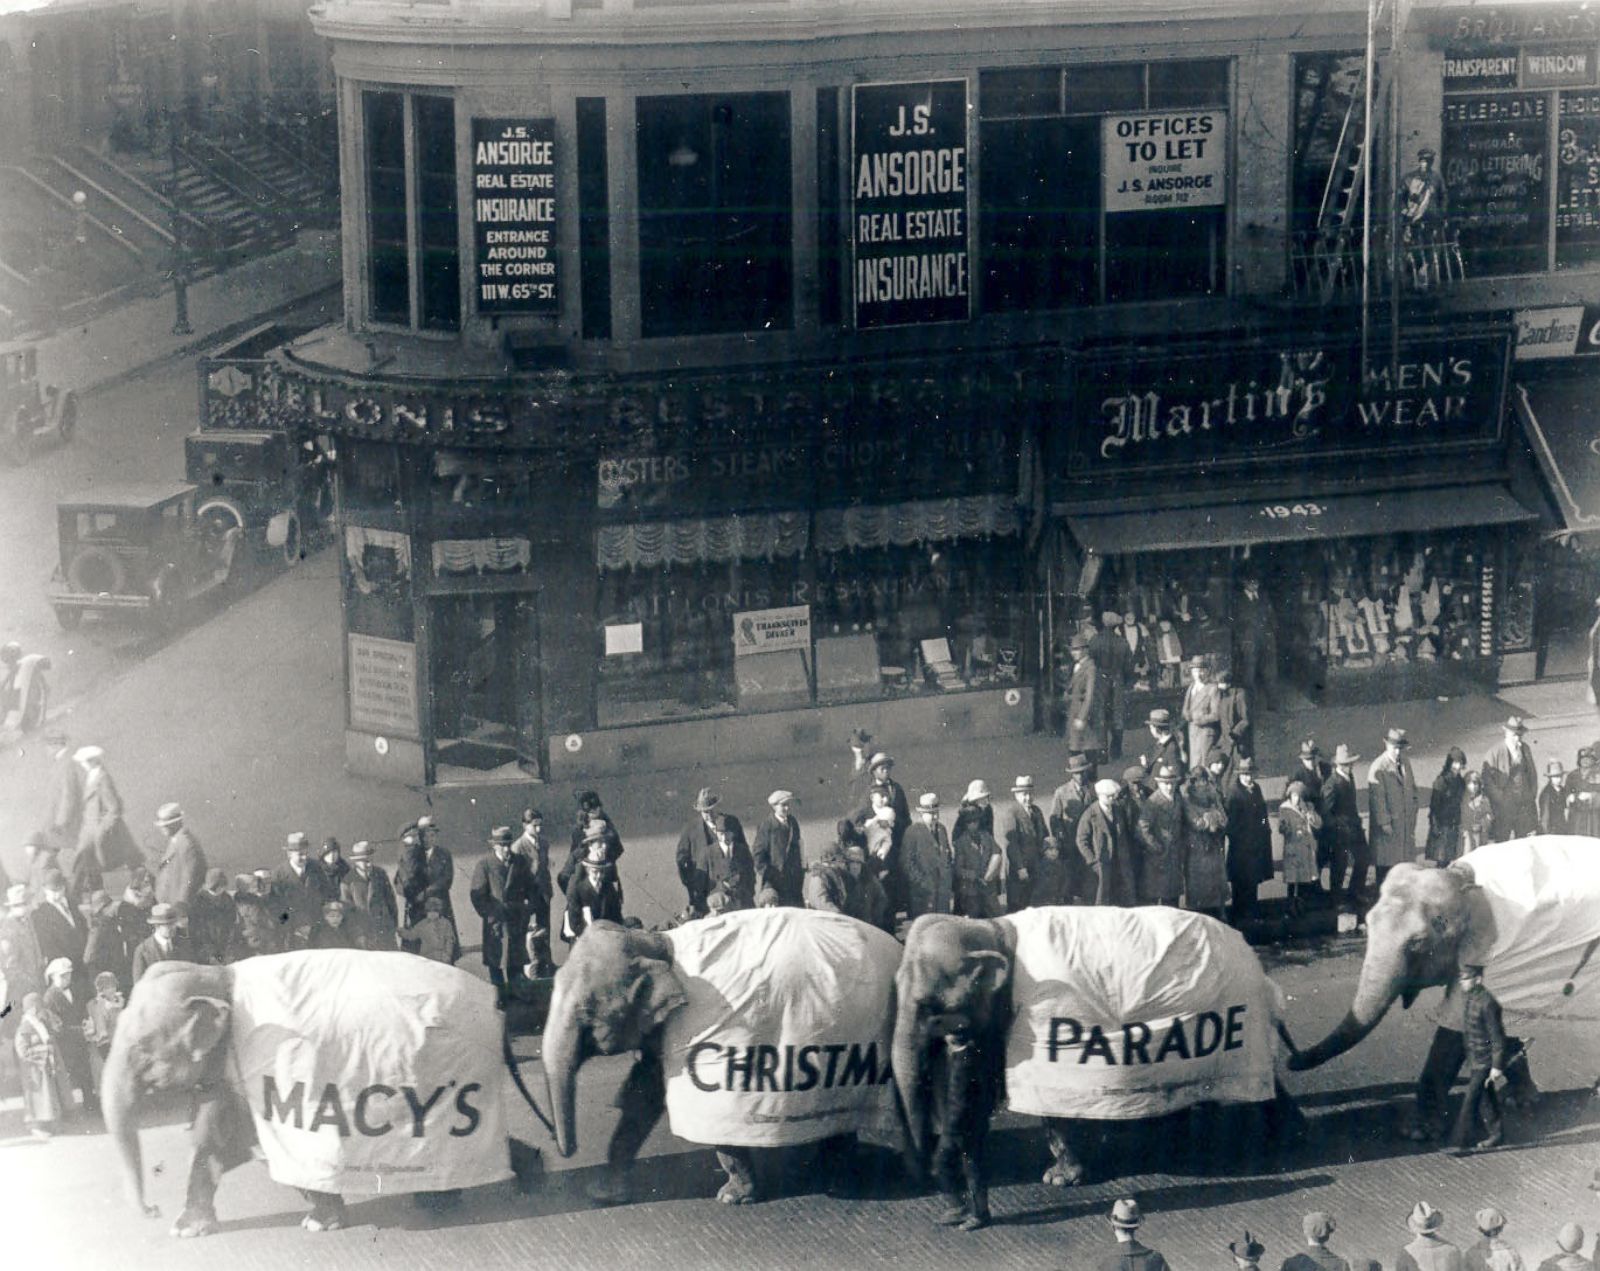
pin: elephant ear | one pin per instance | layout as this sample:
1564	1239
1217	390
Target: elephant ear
656	993
204	1026
987	970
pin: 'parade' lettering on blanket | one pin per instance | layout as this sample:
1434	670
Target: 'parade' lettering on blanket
1138	1039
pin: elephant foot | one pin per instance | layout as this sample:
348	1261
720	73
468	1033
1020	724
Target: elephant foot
734	1192
611	1188
974	1222
192	1224
1064	1174
311	1222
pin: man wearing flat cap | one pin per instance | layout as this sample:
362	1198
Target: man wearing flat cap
1317	1227
299	888
501	885
178	862
712	848
779	861
1392	805
1429	1251
1491	1253
1511	780
1105	844
1130	1255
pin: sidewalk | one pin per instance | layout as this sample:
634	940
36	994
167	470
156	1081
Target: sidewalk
126	339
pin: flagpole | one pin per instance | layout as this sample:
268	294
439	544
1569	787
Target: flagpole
1395	35
1366	184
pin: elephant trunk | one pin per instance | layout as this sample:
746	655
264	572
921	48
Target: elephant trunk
1382	980
562	1056
119	1104
908	1059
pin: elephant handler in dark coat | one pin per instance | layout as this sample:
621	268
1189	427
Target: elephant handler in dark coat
713	848
779	862
1249	840
501	884
1105	842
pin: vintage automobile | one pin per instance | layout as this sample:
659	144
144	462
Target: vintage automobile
30	416
265	472
140	551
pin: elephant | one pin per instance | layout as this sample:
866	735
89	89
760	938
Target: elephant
752	1029
336	1038
1052	1002
1527	911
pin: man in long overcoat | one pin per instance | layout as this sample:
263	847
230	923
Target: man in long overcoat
1105	843
929	862
1086	705
1235	732
1072	797
1341	822
1511	780
178	863
1249	839
1020	830
300	887
501	881
1392	805
370	896
1109	649
712	849
1161	744
1161	838
779	861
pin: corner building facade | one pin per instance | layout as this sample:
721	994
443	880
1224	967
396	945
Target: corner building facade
715	379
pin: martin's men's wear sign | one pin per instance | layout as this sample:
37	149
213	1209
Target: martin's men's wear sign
909	227
1227	405
369	1073
1136	1012
514	214
786	1034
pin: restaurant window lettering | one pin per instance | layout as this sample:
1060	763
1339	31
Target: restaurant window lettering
1102	184
1520	152
715	217
416	286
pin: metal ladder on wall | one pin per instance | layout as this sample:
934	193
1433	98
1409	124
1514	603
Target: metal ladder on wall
1334	263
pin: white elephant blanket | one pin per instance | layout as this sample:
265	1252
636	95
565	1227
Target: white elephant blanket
1544	894
1136	1012
368	1073
786	1034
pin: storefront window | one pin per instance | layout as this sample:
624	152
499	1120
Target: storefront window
1088	195
715	232
851	625
415	134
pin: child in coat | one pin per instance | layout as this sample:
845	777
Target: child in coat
434	934
1477	815
46	1097
1298	822
101	1016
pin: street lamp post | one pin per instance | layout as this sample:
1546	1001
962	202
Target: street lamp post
180	264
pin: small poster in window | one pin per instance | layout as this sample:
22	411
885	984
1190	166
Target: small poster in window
769	630
628	637
1160	160
514	214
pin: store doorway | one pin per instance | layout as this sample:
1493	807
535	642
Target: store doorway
484	680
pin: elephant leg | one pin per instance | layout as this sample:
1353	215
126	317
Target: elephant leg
740	1189
835	1159
222	1134
975	1165
1066	1170
949	1173
642	1099
327	1211
1446	1054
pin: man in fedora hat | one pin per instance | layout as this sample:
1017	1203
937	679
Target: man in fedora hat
427	868
1114	660
1249	862
1491	1253
711	848
65	801
1160	830
180	864
1067	806
1247	1253
164	943
370	896
1316	1226
1341	822
501	883
929	862
1199	710
1392	805
1553	800
1569	1240
533	931
590	808
1020	830
779	860
1312	772
1084	700
299	887
1161	744
1430	1251
1235	731
1511	780
1130	1254
1106	846
880	780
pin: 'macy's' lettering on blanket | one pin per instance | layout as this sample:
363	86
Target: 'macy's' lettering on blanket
785	1069
1210	1032
330	1108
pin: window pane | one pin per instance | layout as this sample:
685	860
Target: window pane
437	225
1174	84
1101	89
830	211
714	213
594	220
1158	255
1034	90
384	118
1039	212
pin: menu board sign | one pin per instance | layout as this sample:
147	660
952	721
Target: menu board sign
514	214
1496	148
909	230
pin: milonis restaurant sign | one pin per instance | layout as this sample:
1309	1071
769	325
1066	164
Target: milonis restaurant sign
1233	405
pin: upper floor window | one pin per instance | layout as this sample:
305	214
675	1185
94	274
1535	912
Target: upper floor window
413	257
1102	183
715	222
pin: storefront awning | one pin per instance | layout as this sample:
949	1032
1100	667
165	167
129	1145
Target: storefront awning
1337	516
1562	423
